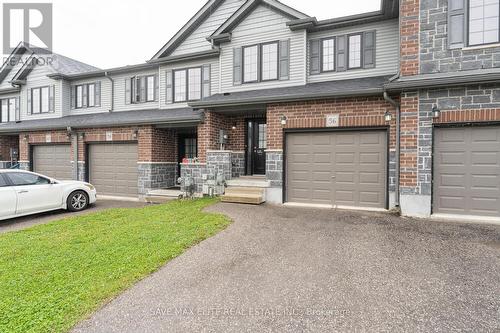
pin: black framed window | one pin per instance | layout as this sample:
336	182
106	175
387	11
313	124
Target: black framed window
484	23
269	61
91	95
328	55
354	51
40	100
85	95
8	108
143	88
190	146
150	88
251	64
188	84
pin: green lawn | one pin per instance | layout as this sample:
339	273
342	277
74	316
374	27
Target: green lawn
53	275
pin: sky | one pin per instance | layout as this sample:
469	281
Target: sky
113	33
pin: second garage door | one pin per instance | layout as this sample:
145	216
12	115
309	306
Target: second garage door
343	168
53	161
113	168
467	171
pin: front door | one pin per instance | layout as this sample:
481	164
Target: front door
256	146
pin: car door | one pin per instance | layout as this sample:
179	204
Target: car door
7	198
34	193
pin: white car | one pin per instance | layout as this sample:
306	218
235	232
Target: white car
23	193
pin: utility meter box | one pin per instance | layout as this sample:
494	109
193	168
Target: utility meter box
223	137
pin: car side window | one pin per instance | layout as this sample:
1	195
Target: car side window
3	182
22	179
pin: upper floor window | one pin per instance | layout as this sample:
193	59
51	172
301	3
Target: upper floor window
270	61
483	22
342	52
42	99
250	64
86	95
187	84
328	54
141	89
8	109
354	51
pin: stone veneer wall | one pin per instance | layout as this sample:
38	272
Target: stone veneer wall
195	171
238	164
435	56
156	175
274	167
221	162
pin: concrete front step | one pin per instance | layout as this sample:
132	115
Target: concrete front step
246	195
248	182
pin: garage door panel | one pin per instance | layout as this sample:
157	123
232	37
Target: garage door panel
351	168
467	171
113	168
53	160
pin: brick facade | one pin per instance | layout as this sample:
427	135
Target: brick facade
409	36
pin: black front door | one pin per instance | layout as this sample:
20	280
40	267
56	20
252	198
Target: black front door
188	148
256	146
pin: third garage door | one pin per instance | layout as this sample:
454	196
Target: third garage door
467	171
113	168
342	168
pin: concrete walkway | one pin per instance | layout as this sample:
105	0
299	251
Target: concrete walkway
282	269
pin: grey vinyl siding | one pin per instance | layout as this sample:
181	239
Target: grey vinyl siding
5	83
38	78
120	104
197	40
214	79
105	96
261	26
386	51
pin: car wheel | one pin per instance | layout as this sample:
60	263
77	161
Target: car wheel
77	201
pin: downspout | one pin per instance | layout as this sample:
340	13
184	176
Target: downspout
106	74
398	145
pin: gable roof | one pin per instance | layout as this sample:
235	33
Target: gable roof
58	63
222	32
188	28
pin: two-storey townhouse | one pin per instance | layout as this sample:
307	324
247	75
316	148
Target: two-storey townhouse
450	108
246	87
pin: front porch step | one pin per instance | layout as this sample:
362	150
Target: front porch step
259	182
245	195
162	195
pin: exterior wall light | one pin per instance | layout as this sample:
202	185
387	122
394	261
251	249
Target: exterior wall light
134	134
283	120
436	113
233	127
387	116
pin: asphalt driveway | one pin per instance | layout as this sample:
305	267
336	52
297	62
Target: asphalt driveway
293	269
31	220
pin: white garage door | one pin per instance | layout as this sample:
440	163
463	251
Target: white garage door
467	171
343	168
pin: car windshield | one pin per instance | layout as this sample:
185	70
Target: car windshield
3	182
21	178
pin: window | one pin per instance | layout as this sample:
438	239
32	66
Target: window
263	136
190	147
180	86
91	95
8	110
483	21
354	60
194	82
44	99
328	55
79	96
21	179
41	100
250	63
188	84
270	61
150	88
